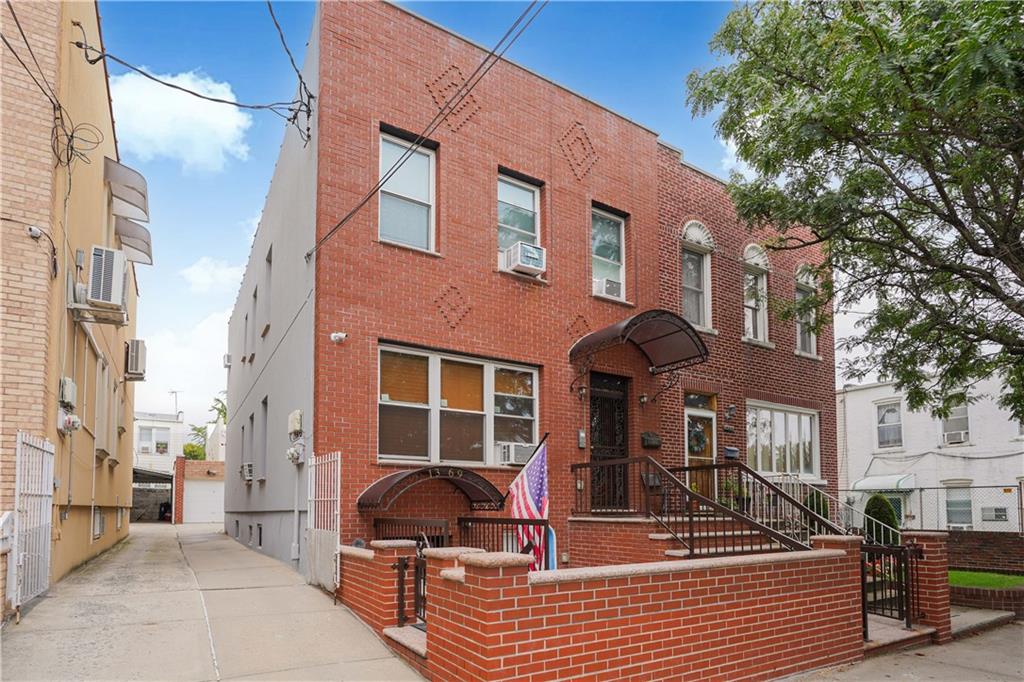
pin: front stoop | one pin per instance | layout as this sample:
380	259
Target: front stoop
413	639
970	621
887	635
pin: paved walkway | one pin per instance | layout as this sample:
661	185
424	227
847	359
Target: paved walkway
994	655
188	603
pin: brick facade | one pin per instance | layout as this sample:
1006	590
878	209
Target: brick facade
605	541
932	582
974	550
456	300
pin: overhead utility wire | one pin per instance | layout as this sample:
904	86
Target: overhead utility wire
306	97
289	111
492	58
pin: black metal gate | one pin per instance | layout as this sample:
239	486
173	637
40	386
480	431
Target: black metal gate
888	582
419	589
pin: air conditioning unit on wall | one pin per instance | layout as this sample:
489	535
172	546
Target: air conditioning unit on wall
526	259
247	471
135	360
955	437
513	453
108	278
607	287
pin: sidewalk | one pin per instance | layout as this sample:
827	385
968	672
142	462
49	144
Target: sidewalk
188	603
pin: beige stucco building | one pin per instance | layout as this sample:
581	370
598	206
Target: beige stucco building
68	309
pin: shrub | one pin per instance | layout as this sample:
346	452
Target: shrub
880	509
817	503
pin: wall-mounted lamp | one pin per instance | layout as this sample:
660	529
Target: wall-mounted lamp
581	392
730	412
338	337
643	399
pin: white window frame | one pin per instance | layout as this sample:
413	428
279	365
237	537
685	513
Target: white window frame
943	431
761	301
535	190
434	406
704	252
883	404
431	191
622	251
813	352
815	415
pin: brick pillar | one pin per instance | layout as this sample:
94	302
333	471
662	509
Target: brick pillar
179	490
386	554
851	629
932	582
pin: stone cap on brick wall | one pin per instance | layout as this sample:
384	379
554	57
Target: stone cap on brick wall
357	552
936	534
496	559
660	567
393	544
450	552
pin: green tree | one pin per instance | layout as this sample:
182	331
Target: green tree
219	409
891	133
193	451
880	509
197	434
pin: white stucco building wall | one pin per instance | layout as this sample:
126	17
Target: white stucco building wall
960	472
216	441
270	343
159	438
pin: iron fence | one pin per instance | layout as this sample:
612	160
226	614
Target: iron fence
888	578
995	508
505	535
432	532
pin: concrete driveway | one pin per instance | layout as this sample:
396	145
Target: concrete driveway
188	603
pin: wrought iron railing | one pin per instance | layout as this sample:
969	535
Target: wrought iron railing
740	488
851	520
505	535
431	532
889	582
642	486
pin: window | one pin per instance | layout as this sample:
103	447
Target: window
958	506
518	216
101	428
806	339
238	532
755	294
407	198
250	342
696	275
266	292
250	534
782	439
261	467
993	514
245	339
607	244
154	440
436	407
955	427
99	523
247	457
890	425
259	534
695	284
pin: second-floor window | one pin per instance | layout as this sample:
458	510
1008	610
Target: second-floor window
518	219
755	317
890	425
607	246
956	427
695	294
154	440
806	339
407	198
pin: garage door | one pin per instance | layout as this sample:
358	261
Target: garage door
204	502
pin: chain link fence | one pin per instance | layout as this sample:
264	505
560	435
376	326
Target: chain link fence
995	508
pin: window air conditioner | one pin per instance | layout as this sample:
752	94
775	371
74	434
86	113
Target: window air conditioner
227	361
108	278
135	360
145	449
514	453
607	287
247	471
960	526
955	437
526	259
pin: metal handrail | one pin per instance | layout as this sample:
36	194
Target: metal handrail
873	530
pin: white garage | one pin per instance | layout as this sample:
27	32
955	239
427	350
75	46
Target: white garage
204	501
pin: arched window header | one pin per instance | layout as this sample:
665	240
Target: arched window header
805	277
755	257
695	233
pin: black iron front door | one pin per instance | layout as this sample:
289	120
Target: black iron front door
609	485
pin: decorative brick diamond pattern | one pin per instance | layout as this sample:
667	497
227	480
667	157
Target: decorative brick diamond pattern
578	149
578	328
452	305
444	87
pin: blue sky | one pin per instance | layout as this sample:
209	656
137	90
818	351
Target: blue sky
209	166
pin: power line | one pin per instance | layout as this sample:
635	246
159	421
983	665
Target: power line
305	96
492	58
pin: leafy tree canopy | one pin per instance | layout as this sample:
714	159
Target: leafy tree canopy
894	133
193	451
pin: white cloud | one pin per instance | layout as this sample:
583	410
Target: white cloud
209	275
155	121
730	162
189	360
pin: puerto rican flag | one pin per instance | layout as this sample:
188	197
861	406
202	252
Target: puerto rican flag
529	500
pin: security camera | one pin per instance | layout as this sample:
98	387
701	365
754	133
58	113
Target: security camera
34	232
338	337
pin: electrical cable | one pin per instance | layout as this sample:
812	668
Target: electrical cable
306	97
446	110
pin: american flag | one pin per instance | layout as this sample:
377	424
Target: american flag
529	495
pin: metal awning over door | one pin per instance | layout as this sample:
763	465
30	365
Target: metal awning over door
667	341
481	493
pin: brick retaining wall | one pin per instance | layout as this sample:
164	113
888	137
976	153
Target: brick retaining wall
973	550
607	542
984	598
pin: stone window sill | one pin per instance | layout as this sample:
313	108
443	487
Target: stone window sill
758	343
618	301
406	247
529	279
804	354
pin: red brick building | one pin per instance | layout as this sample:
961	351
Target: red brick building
446	353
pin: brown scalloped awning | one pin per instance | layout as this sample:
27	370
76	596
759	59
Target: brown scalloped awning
667	341
480	492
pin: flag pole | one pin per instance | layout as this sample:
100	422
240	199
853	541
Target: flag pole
532	454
